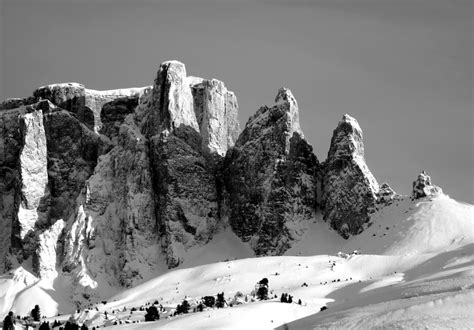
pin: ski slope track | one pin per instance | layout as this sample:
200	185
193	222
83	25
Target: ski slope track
415	270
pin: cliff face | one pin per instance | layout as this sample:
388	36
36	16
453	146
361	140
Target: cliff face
48	155
107	187
270	175
188	136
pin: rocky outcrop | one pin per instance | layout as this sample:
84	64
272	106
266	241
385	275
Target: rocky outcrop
270	175
73	150
33	179
113	115
171	101
155	195
216	113
10	148
84	104
13	103
48	154
386	195
116	216
349	188
47	250
422	187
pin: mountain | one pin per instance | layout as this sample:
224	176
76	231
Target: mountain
119	195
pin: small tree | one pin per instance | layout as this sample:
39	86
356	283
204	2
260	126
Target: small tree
8	321
220	303
71	326
45	326
262	293
264	281
36	313
283	298
290	299
152	314
183	308
262	289
209	301
200	307
299	301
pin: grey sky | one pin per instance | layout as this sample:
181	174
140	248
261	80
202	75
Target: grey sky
403	68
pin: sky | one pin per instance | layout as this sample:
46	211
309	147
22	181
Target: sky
403	68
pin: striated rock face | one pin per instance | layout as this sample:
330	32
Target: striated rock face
10	149
33	179
48	154
186	144
155	194
46	254
171	102
422	187
349	188
116	216
216	113
113	115
270	175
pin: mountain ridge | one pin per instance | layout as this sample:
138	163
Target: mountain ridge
110	188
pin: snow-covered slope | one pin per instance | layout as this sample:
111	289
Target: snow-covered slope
417	273
425	225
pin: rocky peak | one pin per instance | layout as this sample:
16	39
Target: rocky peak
349	187
171	100
386	195
282	119
422	187
271	176
216	109
347	139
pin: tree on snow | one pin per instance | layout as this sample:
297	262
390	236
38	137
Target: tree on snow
209	301
220	303
9	321
262	289
71	326
183	308
152	314
45	326
36	313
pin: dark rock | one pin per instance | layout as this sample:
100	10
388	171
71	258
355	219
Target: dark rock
270	175
349	188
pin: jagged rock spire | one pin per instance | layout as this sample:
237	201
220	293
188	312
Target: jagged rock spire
349	188
283	117
347	139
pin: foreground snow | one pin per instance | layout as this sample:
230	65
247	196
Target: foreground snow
416	270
